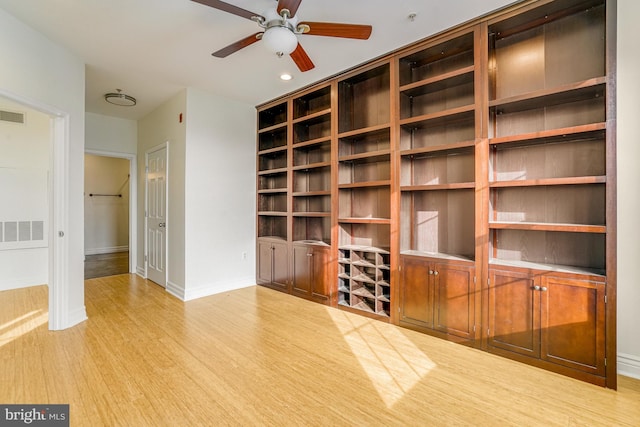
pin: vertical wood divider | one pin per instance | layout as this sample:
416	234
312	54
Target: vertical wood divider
481	59
394	98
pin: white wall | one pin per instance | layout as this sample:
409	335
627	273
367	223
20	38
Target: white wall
113	134
34	68
106	226
220	194
628	141
24	168
156	128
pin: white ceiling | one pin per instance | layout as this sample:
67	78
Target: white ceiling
151	49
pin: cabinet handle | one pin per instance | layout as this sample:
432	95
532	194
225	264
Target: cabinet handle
536	287
309	254
543	289
430	271
435	273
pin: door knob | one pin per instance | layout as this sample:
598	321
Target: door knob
162	224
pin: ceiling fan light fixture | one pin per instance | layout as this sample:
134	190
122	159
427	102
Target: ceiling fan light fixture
280	40
120	99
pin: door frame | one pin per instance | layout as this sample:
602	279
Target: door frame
133	200
58	247
146	210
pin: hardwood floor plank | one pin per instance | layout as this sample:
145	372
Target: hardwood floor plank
255	356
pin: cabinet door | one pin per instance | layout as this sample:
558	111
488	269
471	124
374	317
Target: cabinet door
320	283
265	262
453	299
302	266
416	293
514	312
280	274
573	324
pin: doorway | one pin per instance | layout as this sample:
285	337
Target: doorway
110	203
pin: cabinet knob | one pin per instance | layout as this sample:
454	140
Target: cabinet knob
309	254
543	289
430	271
536	287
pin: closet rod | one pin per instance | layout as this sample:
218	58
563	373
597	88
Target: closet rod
105	195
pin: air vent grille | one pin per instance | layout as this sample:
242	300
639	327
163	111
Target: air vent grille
11	116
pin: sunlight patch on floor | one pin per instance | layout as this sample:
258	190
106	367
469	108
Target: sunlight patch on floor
19	326
393	363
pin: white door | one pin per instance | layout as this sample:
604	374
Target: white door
157	216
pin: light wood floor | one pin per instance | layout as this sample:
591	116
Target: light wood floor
259	357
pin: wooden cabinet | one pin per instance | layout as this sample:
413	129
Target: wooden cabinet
437	296
273	263
464	186
311	271
558	320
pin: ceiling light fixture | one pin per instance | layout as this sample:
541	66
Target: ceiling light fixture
286	77
280	31
120	99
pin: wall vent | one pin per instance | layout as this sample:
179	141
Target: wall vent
11	116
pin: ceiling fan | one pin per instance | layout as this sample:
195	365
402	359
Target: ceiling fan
280	30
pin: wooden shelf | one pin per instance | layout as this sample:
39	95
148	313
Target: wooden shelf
371	156
368	184
536	226
362	131
271	213
456	146
442	81
272	171
312	214
579	180
311	142
272	191
365	220
311	166
272	150
497	263
272	128
438	256
311	116
311	193
590	88
450	113
439	187
555	135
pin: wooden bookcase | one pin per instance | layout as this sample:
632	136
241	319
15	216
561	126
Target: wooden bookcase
548	193
463	186
364	190
294	194
438	106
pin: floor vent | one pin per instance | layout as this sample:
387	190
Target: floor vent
11	116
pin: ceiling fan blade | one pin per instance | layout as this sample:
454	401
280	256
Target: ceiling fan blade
301	59
291	5
329	29
229	8
234	47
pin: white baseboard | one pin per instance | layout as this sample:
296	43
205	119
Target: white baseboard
218	288
22	282
77	316
108	250
629	365
140	271
175	290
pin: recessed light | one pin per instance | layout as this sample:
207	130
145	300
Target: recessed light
286	77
